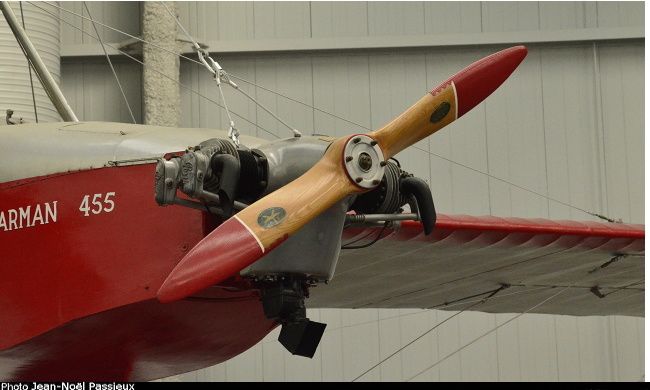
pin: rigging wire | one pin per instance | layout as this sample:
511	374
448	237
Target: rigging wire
110	63
499	268
162	74
329	329
219	74
196	45
424	310
294	100
299	102
31	64
517	316
435	154
338	117
492	293
626	287
200	50
110	28
452	304
199	63
29	67
467	167
296	133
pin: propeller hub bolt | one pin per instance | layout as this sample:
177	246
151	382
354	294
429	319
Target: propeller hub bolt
358	179
365	161
349	158
356	140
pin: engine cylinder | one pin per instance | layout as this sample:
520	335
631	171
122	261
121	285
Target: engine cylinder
386	198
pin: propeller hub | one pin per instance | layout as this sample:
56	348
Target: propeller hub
362	158
365	162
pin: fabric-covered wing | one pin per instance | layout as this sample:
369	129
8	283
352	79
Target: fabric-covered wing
520	265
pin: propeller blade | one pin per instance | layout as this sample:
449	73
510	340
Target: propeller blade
449	101
262	226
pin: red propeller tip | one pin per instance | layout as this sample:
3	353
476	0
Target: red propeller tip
477	81
242	240
223	253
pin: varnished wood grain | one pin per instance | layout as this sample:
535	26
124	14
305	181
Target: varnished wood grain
304	198
415	124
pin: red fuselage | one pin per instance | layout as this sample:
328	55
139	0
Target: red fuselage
83	255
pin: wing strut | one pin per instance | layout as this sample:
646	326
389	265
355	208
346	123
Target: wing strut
37	63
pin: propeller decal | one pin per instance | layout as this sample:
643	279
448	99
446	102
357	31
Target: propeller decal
440	113
270	217
350	165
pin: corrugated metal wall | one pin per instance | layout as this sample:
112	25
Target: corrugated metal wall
246	20
563	135
89	83
17	79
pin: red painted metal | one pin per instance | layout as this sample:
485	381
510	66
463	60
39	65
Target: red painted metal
79	290
488	230
477	81
142	341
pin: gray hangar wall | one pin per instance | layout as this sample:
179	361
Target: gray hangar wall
564	134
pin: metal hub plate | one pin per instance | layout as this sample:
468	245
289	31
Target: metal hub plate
363	161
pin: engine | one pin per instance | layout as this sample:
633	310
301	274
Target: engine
221	179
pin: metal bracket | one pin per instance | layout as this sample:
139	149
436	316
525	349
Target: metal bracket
597	292
13	121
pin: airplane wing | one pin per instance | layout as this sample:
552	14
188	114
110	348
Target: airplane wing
495	265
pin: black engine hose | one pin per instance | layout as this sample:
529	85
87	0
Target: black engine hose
420	190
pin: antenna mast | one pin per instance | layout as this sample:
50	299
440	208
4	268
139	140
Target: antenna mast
44	75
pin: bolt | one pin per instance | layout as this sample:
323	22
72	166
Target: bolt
349	158
383	164
365	162
373	143
169	183
356	140
199	175
375	182
358	179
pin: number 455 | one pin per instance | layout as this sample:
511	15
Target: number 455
98	206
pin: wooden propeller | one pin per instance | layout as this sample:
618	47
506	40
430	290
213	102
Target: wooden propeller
351	164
